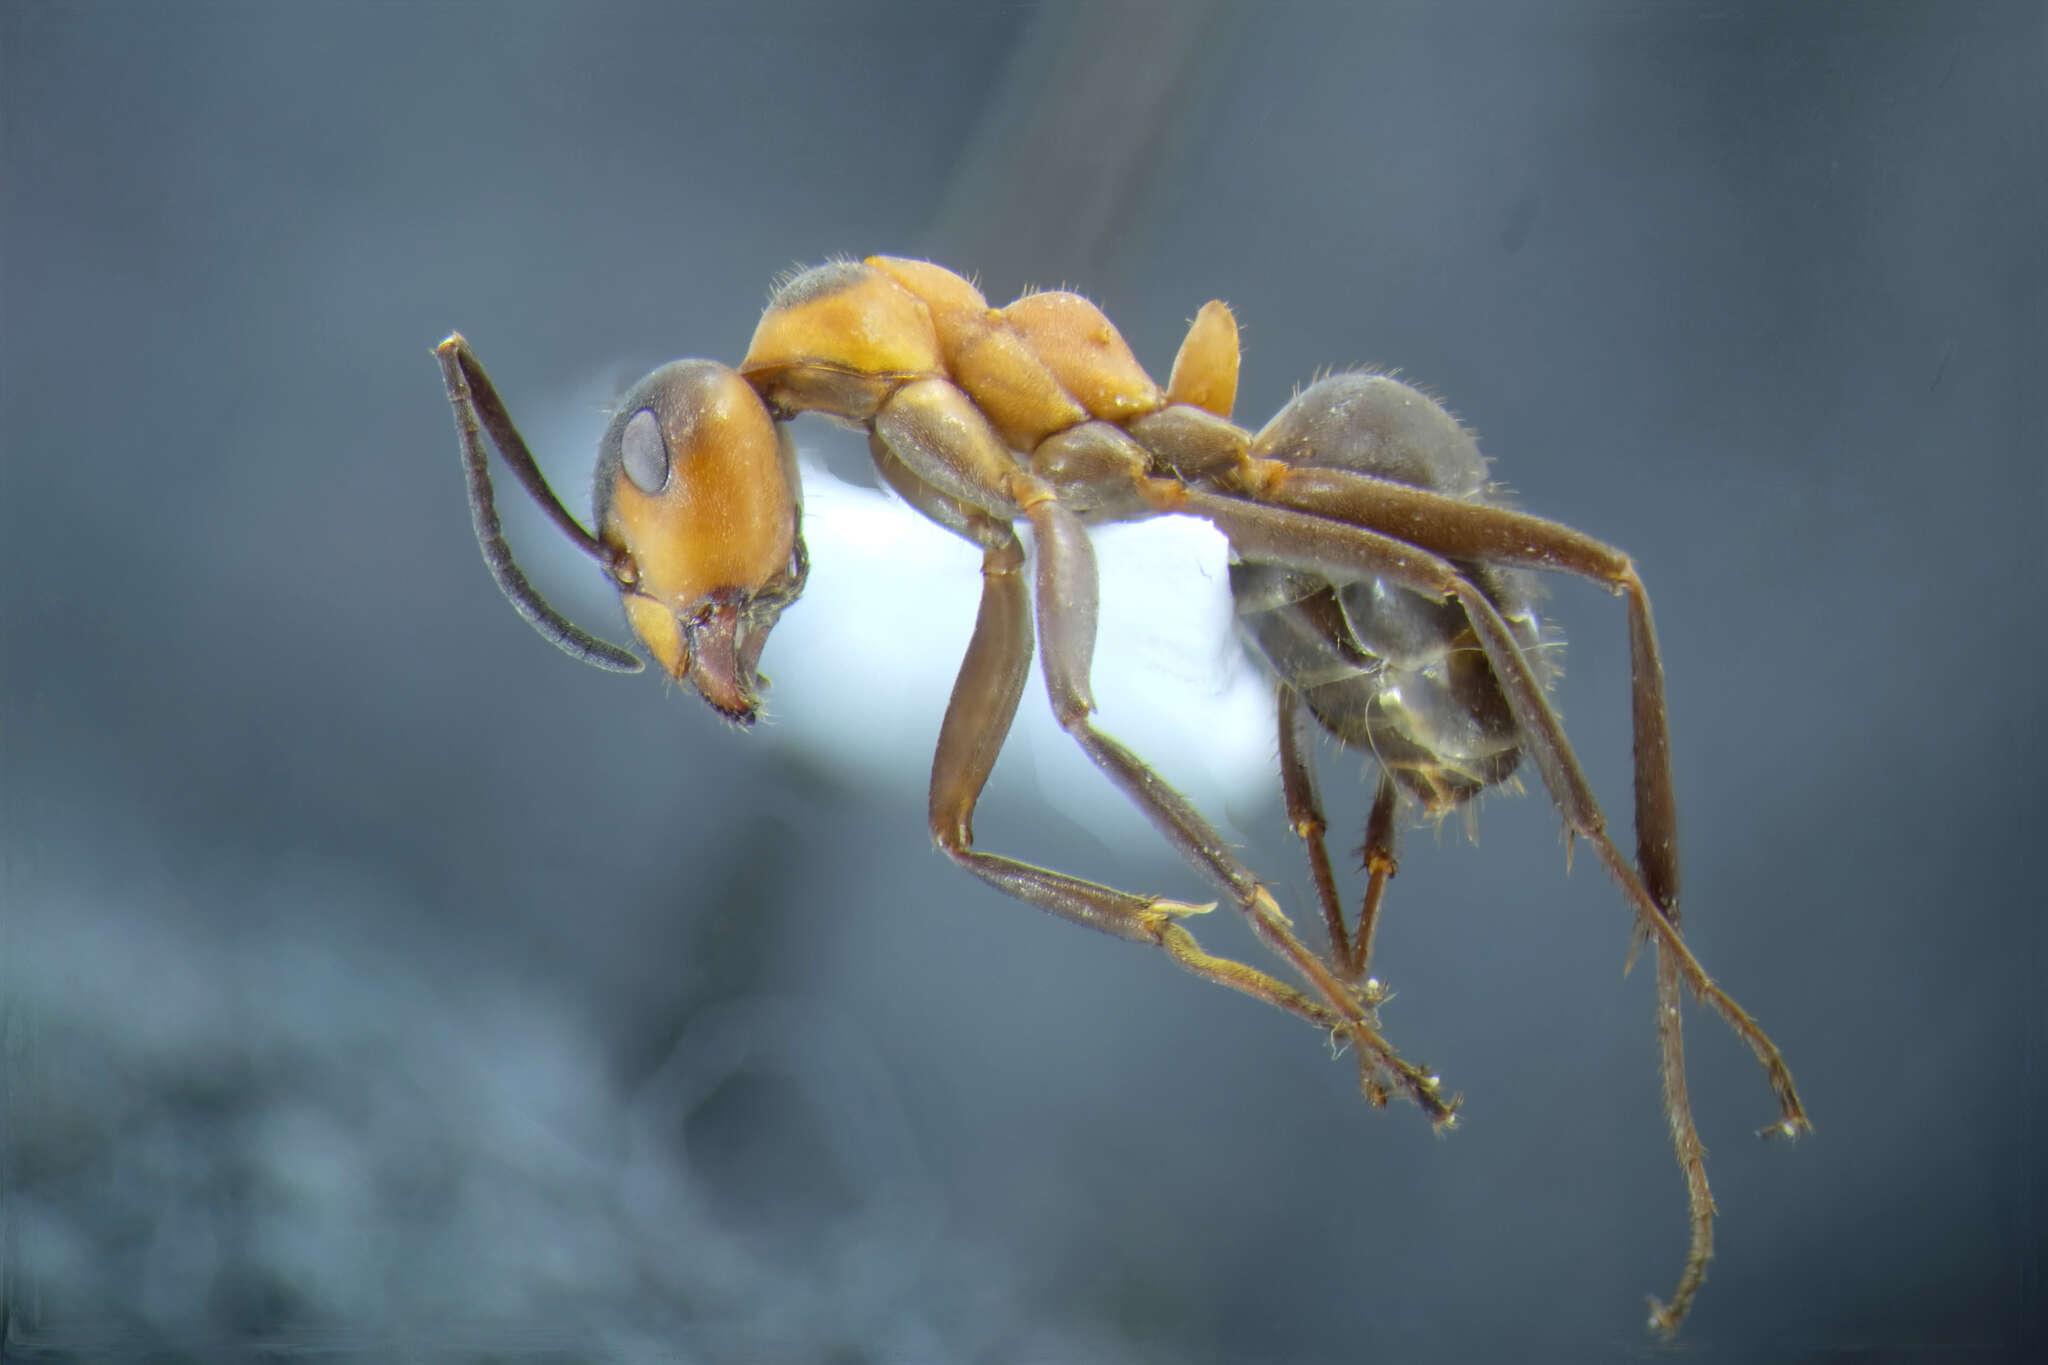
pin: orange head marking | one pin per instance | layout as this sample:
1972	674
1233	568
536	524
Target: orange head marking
697	501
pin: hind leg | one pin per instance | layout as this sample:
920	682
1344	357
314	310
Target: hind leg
1350	953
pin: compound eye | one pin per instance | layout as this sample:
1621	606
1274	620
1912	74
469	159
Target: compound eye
644	451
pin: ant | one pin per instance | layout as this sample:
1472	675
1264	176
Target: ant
1386	588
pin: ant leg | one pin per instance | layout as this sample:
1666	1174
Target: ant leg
1544	738
941	438
1461	530
1305	816
1349	954
1285	536
1066	613
1380	866
1692	1153
977	722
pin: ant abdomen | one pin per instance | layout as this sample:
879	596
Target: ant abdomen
1387	670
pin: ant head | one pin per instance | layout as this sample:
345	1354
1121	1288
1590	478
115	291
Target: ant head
697	509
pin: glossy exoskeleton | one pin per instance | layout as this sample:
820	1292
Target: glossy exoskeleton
1387	589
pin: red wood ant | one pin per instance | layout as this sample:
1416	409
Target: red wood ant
1387	591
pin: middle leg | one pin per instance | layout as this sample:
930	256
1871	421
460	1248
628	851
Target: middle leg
1066	596
977	722
937	434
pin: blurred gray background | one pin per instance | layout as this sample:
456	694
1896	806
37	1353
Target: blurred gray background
380	985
